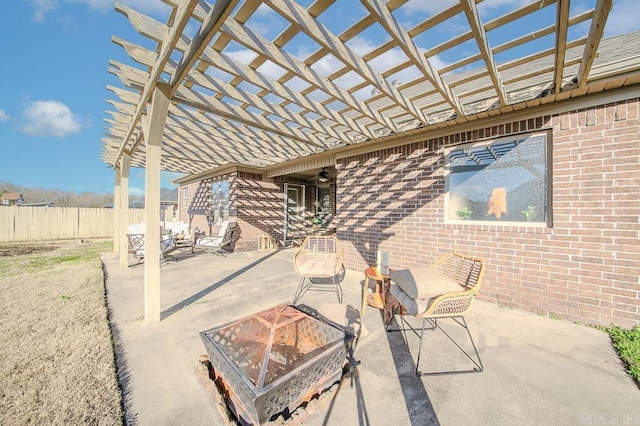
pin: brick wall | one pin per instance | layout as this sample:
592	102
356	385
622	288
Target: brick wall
259	208
194	211
256	205
586	267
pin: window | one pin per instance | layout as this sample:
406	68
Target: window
504	180
219	203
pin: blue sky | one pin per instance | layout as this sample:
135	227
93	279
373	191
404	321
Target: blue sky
54	75
53	82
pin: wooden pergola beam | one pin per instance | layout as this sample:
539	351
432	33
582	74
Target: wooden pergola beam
562	26
602	9
210	26
211	104
480	35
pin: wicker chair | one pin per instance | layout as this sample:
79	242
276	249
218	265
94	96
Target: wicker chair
445	290
319	263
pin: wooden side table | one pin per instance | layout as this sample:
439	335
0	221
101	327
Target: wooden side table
377	298
265	242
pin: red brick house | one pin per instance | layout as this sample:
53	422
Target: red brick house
567	245
530	164
578	260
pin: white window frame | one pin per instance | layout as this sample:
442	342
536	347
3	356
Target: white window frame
473	200
219	202
301	203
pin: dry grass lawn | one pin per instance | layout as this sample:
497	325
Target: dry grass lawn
56	363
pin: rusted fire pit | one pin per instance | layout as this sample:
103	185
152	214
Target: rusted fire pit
272	361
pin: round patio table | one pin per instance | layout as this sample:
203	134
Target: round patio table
377	298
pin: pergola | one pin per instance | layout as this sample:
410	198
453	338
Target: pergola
209	87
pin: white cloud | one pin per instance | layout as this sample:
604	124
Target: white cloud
623	18
147	6
136	191
327	65
265	21
497	4
50	118
428	6
42	7
244	56
4	116
100	5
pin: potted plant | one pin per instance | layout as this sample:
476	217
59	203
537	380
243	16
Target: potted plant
465	213
529	214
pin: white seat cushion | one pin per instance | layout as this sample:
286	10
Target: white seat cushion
423	283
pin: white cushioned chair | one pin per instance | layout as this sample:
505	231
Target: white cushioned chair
444	290
220	244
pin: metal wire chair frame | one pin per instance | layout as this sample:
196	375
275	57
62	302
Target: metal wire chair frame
468	272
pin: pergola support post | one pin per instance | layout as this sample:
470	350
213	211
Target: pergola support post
116	210
123	211
153	131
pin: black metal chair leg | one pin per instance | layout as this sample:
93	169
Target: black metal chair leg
479	367
336	283
300	291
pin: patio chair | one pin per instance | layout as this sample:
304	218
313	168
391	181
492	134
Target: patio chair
137	245
444	290
319	263
219	244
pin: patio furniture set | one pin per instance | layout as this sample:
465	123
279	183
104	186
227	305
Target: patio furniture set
446	289
275	359
180	239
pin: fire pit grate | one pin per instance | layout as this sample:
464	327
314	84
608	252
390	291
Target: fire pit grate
276	359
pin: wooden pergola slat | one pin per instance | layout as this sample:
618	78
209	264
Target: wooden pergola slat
295	13
283	59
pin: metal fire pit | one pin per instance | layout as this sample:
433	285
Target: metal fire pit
276	359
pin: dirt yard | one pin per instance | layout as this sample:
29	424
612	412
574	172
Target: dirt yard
19	249
56	364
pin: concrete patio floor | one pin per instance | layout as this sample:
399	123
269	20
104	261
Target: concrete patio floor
536	370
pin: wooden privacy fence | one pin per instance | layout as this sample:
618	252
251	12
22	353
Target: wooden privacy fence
59	223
